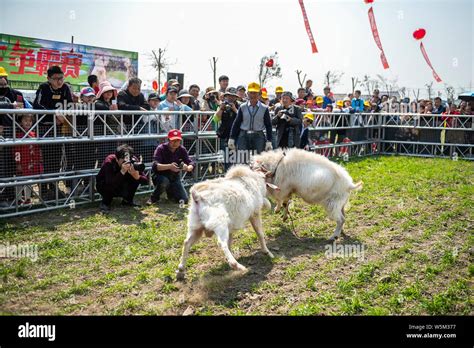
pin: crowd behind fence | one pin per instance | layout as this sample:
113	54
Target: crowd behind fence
66	156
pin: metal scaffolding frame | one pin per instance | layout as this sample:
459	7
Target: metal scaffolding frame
377	133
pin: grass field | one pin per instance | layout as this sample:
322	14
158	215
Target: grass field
414	218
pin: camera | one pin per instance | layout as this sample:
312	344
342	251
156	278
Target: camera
284	114
212	97
228	106
135	162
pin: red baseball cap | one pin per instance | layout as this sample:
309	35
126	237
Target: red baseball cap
174	134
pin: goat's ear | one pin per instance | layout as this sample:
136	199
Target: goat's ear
275	187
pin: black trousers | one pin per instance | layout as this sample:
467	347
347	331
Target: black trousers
126	190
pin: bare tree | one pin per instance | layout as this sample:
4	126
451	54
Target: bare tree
160	63
390	85
266	73
402	92
214	69
300	81
449	92
429	89
368	83
355	82
332	78
416	94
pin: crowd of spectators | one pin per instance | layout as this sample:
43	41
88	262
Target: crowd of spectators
230	109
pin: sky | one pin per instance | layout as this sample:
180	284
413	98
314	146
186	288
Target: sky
239	33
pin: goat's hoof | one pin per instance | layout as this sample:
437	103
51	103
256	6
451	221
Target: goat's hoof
179	275
269	253
285	218
276	210
240	268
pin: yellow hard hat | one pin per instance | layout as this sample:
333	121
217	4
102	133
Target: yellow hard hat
367	103
3	72
340	103
309	116
319	100
279	89
253	87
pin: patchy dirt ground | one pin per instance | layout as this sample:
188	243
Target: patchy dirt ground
408	249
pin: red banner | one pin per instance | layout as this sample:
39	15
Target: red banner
308	28
375	33
435	75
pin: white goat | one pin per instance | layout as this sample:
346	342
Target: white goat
223	205
314	178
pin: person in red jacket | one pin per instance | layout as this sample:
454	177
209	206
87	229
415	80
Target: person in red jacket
28	158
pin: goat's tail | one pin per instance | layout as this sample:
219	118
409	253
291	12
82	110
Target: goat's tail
356	186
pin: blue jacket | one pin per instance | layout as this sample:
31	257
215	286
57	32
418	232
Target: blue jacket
358	105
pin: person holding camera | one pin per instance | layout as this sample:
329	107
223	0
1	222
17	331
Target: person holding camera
288	122
226	115
120	175
169	160
210	100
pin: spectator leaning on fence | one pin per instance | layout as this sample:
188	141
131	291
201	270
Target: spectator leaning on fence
287	120
328	97
51	95
357	102
151	121
304	142
28	158
171	103
10	95
375	97
194	91
253	118
169	160
105	97
132	99
438	107
119	178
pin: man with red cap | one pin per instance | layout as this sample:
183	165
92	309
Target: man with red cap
169	160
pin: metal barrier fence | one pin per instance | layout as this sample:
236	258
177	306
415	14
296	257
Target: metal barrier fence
65	150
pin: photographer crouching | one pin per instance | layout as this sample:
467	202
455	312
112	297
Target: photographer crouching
120	175
169	160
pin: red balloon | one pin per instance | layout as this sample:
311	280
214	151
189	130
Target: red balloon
419	34
368	1
155	85
269	63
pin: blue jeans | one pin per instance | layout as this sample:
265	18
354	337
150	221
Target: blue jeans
253	141
222	148
173	186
